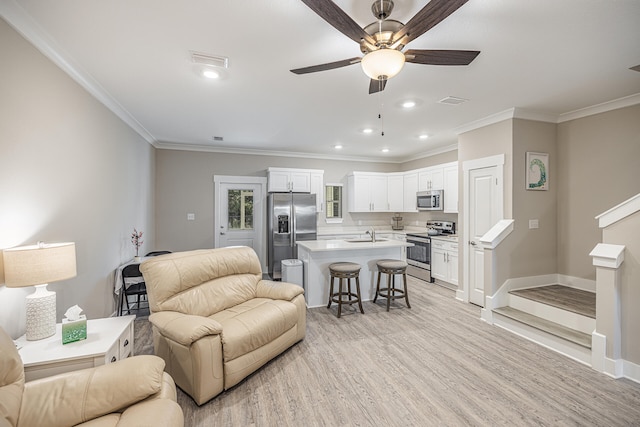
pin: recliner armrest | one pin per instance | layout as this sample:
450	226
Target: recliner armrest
184	328
79	396
278	290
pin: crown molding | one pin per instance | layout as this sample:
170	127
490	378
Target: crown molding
20	20
626	101
520	113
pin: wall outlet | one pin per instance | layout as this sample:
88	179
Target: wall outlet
191	217
533	224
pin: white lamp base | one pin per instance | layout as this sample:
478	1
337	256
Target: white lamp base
41	313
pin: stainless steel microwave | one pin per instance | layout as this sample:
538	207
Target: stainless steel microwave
431	200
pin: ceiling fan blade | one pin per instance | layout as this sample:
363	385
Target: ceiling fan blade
377	85
342	22
441	57
327	66
429	16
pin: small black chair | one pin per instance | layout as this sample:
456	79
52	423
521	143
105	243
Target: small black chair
156	253
137	289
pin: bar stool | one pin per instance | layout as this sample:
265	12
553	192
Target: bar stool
345	270
391	267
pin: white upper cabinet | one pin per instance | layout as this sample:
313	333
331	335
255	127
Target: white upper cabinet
409	191
367	192
395	192
431	179
282	180
317	188
451	188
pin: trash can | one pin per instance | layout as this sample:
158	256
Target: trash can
292	271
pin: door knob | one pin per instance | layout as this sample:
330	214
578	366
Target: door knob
472	243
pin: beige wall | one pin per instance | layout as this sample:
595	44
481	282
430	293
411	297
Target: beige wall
599	157
438	159
534	252
627	232
71	171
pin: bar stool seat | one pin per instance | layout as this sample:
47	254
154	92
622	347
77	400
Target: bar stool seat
348	271
391	267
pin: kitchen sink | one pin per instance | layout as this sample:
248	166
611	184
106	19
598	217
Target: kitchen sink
364	240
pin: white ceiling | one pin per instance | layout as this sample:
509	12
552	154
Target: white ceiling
547	57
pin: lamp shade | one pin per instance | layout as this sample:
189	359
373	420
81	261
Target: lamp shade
382	64
39	264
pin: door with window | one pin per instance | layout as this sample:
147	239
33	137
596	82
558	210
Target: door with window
239	214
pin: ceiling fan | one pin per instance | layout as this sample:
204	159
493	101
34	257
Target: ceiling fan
382	41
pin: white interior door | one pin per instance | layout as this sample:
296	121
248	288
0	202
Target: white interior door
240	214
483	214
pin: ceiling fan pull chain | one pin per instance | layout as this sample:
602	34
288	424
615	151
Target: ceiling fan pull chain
380	114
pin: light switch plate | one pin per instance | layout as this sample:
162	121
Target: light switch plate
191	217
533	224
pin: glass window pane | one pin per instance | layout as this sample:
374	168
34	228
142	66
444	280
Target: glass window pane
240	209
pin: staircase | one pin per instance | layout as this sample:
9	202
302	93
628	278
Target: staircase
556	316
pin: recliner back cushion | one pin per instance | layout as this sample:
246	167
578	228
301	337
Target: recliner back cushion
202	282
11	380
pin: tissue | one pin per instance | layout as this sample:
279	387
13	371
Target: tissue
74	325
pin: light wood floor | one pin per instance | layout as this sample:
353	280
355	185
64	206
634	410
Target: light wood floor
564	297
434	364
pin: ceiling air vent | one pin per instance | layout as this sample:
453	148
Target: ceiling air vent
218	138
213	60
452	100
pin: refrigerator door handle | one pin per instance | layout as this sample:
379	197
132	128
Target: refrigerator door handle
293	224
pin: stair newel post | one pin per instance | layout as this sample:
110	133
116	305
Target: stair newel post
606	355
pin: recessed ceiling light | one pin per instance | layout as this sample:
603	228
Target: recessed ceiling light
424	136
408	104
337	147
210	74
367	130
385	150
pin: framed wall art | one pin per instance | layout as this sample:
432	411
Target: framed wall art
537	171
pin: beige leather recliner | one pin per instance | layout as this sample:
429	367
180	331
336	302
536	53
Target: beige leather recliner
130	392
214	319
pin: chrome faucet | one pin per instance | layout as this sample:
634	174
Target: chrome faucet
372	233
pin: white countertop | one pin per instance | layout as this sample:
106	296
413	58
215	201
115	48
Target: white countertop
344	245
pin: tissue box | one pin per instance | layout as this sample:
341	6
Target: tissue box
74	330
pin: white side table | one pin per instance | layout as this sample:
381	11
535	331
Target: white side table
108	340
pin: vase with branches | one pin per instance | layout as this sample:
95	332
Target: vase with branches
136	240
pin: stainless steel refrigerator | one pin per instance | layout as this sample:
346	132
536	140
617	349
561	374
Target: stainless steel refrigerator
292	218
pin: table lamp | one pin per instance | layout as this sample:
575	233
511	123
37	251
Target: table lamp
37	265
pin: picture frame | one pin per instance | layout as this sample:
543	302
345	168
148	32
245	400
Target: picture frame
537	171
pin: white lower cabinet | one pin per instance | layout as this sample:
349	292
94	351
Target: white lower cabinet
444	261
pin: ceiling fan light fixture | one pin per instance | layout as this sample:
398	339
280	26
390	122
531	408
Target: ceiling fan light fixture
382	64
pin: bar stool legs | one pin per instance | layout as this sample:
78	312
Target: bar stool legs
391	268
342	271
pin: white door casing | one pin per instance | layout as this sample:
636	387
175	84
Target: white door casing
484	206
254	237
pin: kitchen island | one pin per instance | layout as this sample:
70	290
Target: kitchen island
317	255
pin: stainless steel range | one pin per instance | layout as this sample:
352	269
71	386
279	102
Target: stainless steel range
419	255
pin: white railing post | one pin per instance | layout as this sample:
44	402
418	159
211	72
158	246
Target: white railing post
606	342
